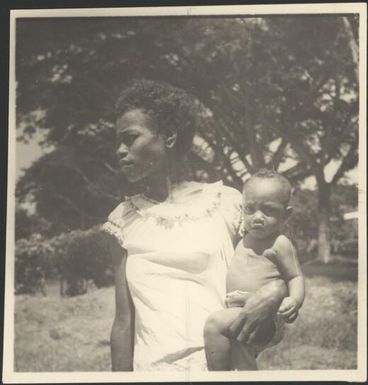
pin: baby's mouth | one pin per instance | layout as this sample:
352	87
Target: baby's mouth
257	226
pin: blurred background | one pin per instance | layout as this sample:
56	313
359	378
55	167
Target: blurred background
278	92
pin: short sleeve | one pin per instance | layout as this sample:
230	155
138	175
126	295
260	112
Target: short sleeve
231	209
116	222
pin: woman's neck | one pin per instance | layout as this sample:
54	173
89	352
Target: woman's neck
160	185
159	188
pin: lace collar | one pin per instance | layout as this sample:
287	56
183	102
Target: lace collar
187	201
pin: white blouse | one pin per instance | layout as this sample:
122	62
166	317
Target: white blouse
178	254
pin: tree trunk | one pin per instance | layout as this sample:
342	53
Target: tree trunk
324	253
354	47
323	237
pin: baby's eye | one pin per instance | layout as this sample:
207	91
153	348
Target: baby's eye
249	209
271	211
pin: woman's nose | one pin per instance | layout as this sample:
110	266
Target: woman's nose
122	151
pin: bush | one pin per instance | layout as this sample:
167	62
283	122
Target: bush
303	224
74	256
84	255
33	260
347	248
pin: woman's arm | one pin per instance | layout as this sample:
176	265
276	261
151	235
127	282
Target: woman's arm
122	333
260	307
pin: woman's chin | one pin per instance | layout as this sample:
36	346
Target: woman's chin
132	178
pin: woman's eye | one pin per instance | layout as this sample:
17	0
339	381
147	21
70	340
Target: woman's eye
128	140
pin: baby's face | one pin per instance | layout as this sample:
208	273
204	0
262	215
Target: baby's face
265	207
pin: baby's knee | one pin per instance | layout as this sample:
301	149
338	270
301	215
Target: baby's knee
213	326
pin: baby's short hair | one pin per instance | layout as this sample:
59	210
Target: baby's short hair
264	173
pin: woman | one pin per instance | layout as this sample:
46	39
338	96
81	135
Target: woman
171	244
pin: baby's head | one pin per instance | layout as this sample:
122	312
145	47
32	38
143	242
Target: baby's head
266	198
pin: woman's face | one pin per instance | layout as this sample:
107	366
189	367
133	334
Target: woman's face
141	149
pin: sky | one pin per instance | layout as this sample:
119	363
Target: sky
26	154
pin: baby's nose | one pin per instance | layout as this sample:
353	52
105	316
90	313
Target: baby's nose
258	215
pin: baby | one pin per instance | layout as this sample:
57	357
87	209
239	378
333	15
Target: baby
263	255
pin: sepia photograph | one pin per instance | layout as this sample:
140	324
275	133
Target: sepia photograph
186	194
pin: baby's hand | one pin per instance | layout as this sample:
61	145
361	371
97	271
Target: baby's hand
289	309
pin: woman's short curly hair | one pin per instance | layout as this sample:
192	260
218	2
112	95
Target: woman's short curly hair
168	108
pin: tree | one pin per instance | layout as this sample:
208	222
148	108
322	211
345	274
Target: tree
344	235
272	88
319	116
27	223
69	73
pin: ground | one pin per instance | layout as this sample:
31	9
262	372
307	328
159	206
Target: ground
72	334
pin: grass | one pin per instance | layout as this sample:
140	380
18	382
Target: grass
72	334
336	270
325	334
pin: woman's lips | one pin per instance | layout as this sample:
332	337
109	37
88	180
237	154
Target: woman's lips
125	164
127	168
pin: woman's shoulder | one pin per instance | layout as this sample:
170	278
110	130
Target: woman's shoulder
230	203
231	194
223	191
118	219
218	195
229	197
122	210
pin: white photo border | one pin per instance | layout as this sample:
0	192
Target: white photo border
359	374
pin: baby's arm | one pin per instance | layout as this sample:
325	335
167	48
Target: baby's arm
289	267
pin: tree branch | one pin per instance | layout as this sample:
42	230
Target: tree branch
278	154
219	151
349	161
302	151
69	202
354	48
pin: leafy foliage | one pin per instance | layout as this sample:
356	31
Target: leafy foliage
303	222
73	256
274	88
33	259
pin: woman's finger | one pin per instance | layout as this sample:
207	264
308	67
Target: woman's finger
253	335
245	332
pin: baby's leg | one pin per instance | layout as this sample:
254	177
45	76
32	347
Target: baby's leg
217	342
243	357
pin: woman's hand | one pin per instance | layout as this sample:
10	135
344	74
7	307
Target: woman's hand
237	298
260	307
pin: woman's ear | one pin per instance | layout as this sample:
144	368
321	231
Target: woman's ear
170	138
